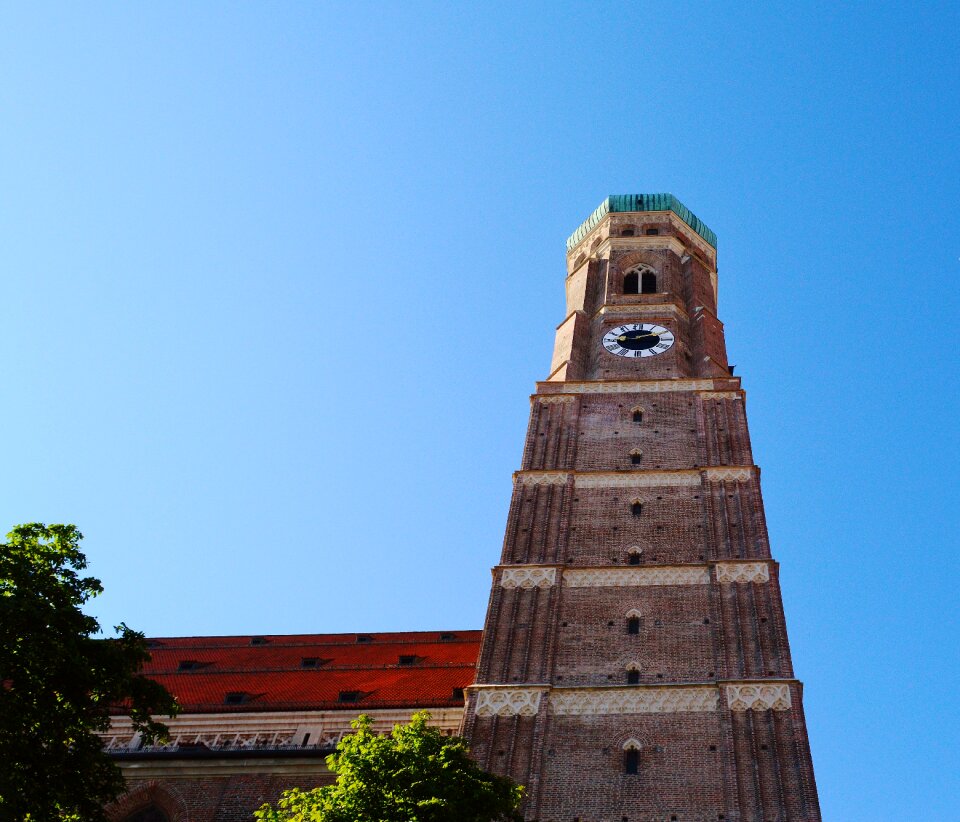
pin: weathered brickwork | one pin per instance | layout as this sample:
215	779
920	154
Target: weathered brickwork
216	798
635	662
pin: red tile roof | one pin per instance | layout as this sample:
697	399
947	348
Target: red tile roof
268	672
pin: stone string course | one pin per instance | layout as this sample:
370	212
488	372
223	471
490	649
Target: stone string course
528	701
539	576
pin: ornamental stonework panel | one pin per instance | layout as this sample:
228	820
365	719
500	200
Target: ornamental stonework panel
773	696
530	576
638	479
542	477
729	474
638	387
625	577
588	702
507	701
743	572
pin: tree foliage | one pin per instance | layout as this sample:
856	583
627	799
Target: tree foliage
414	774
58	682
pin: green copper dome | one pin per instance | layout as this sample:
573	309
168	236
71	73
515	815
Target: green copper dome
642	202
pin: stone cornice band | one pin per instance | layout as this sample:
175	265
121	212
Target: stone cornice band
546	576
637	386
527	700
638	479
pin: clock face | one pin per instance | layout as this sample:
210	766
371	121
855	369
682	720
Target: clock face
637	340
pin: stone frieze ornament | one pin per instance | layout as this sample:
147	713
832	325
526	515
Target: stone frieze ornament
543	477
528	576
765	696
626	577
729	474
743	572
507	701
635	700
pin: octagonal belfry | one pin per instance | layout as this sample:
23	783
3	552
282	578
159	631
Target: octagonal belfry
635	663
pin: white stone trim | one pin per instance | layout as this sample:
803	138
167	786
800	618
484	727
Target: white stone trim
723	395
542	477
688	477
743	572
506	701
633	699
636	479
639	386
646	310
738	473
529	576
629	576
520	700
272	729
758	696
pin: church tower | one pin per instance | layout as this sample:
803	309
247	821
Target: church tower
635	664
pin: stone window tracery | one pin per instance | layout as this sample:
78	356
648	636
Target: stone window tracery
640	279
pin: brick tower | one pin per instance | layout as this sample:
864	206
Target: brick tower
635	664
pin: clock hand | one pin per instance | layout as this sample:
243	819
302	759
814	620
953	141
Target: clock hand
624	337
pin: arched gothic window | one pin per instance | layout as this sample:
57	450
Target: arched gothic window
631	756
638	415
636	508
648	283
631	283
636	456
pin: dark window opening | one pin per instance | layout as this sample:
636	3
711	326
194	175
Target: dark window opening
407	659
348	696
631	283
636	509
653	232
189	665
364	638
633	625
447	637
634	559
638	416
636	458
648	283
631	761
306	739
458	694
259	640
151	813
633	677
236	698
627	232
311	662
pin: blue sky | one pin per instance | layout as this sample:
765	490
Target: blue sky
278	280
